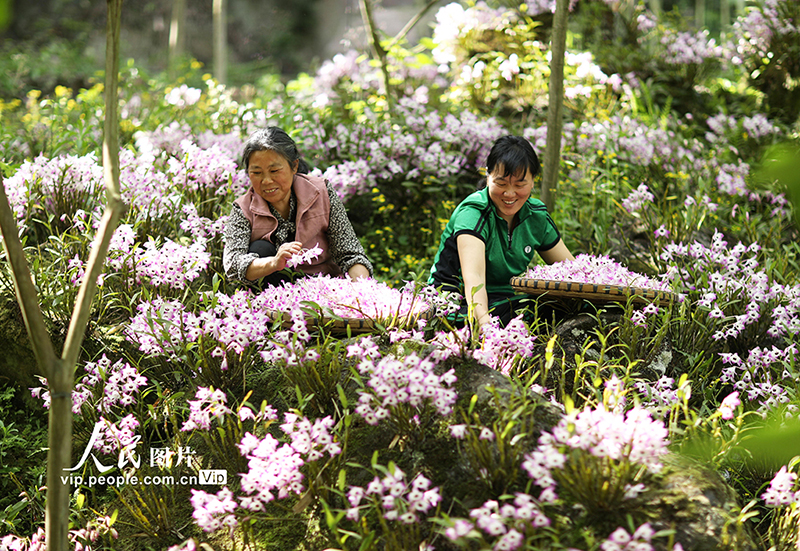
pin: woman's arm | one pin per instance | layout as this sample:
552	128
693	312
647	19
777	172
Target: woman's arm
472	256
345	248
236	240
558	253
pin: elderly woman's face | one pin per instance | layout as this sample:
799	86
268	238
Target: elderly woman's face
271	176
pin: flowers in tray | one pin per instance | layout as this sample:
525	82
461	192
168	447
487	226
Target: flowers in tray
597	270
349	298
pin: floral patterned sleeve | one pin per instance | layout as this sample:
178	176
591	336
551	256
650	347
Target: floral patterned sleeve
346	249
235	258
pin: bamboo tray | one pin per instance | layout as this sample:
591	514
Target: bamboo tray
356	325
590	291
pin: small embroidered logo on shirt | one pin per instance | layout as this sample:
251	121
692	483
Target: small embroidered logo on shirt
528	249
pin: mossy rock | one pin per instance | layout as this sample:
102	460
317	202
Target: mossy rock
698	505
17	361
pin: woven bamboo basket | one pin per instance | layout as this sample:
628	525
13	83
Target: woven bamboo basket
590	291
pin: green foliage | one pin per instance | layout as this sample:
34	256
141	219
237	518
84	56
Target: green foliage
45	66
23	445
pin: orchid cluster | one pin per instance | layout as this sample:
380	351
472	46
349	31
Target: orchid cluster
754	31
231	323
728	283
637	199
619	447
760	375
311	440
306	256
202	172
213	511
208	403
640	540
289	345
83	538
360	298
120	383
667	149
276	468
144	187
347	74
398	389
15	543
171	265
659	396
497	347
596	270
394	497
507	72
453	21
501	347
273	471
501	526
313	367
61	185
114	437
782	490
685	48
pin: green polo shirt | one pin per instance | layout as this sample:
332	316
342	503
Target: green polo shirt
508	254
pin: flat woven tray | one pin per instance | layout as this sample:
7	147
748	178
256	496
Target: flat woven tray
356	325
589	291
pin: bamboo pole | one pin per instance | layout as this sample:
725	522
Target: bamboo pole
555	104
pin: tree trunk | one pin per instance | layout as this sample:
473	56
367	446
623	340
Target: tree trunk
699	13
655	7
724	17
59	371
220	41
177	33
555	104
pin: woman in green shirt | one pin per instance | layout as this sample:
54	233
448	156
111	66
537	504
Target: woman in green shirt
494	233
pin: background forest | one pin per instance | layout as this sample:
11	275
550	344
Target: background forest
663	425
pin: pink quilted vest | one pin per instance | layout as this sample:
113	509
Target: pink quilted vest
313	218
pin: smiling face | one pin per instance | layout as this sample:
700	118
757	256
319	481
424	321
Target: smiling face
509	193
271	176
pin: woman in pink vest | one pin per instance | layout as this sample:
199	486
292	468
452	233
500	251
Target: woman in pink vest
284	211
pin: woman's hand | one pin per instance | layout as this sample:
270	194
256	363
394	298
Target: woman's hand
262	267
358	271
285	252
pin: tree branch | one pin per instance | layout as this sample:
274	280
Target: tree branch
411	24
27	297
375	44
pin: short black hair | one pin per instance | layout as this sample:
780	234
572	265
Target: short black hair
517	156
274	139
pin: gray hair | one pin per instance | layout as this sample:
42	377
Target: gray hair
274	139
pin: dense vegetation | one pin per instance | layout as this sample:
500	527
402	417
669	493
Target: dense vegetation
679	162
